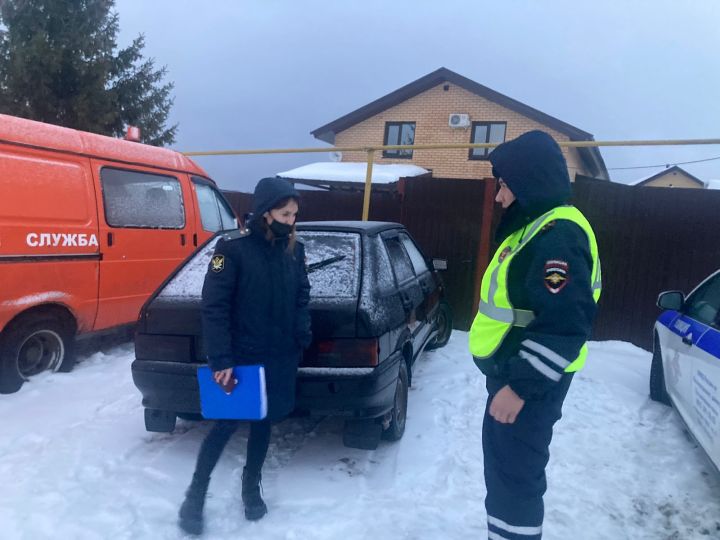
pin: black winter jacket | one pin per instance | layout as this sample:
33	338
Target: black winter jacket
255	310
531	359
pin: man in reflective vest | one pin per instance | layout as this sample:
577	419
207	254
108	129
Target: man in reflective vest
537	303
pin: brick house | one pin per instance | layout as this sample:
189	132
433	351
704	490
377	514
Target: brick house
445	107
671	177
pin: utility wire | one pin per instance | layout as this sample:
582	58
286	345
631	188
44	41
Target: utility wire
666	165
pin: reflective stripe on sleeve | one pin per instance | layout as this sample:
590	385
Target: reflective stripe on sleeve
551	355
538	364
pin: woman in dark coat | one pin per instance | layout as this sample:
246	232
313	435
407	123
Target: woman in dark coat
254	311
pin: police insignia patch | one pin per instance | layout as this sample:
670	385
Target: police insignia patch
217	264
556	276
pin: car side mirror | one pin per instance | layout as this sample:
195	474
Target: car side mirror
671	300
439	264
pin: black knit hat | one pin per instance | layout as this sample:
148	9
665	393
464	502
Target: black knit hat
269	192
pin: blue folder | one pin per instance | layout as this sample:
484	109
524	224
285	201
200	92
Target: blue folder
248	401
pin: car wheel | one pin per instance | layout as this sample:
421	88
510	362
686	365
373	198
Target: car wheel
33	344
398	418
658	390
444	324
159	421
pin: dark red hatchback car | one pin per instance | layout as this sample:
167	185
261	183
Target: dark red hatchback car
376	304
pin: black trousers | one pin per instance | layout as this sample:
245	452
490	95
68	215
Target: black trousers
215	442
515	456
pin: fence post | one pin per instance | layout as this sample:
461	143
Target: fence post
368	185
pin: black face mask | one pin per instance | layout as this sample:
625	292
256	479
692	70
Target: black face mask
280	230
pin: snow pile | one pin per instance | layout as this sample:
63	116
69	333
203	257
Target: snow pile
76	462
353	172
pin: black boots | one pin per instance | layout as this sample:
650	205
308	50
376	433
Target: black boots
254	505
191	511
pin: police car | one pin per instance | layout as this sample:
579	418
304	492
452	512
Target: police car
685	370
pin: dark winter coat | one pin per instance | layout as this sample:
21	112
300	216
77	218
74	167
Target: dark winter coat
255	311
535	170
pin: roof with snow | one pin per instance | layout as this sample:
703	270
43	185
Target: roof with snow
671	170
327	173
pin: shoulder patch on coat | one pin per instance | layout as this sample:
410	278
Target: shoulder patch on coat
556	275
237	233
217	263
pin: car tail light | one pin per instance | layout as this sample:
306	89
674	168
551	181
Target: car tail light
343	353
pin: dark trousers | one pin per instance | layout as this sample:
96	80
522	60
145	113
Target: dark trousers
215	442
515	456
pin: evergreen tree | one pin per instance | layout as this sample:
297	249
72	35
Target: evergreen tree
58	64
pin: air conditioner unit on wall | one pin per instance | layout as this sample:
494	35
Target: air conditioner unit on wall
459	120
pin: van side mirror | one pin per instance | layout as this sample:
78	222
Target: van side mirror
671	300
439	264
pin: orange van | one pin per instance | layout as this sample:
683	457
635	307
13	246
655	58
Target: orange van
90	226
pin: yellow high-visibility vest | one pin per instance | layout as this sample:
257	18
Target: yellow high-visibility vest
496	315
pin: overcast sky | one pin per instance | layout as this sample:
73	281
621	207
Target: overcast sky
264	73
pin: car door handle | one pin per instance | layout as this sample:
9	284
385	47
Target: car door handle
687	341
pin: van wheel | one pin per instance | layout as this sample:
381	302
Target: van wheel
33	344
398	416
658	390
444	327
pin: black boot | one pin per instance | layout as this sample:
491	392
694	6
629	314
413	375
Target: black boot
254	505
191	511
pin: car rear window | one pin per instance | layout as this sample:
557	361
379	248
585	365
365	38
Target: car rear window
333	261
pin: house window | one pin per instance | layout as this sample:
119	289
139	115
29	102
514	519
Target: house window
399	133
485	132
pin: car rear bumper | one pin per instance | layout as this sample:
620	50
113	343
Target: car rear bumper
168	386
348	392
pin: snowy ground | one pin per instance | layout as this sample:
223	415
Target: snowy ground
76	463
